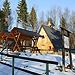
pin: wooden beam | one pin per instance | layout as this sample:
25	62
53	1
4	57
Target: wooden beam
65	29
71	66
66	35
26	35
5	35
25	38
16	42
63	51
4	44
10	39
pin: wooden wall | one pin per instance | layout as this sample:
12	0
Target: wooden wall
44	43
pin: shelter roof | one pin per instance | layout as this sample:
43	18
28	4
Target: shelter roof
28	32
54	36
4	34
22	34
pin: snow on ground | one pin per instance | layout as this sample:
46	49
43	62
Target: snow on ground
35	66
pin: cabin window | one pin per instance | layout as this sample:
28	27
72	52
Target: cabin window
49	47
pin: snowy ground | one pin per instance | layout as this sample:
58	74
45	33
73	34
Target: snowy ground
36	66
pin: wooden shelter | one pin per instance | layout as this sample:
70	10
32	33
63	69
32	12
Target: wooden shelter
17	36
52	40
3	35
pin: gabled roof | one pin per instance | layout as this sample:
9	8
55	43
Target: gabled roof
4	34
28	32
54	36
52	23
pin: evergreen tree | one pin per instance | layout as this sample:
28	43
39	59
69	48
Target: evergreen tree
2	22
7	12
33	19
22	13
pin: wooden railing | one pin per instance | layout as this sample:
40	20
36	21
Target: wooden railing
32	59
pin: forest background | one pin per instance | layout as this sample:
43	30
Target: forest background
32	17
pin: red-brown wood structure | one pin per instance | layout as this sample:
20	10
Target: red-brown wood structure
3	35
18	36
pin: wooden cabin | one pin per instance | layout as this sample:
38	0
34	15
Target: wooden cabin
52	40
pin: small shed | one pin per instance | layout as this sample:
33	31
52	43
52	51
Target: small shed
52	40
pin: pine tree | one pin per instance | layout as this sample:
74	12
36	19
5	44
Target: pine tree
7	12
2	20
22	13
33	19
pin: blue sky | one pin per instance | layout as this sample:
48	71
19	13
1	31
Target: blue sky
42	5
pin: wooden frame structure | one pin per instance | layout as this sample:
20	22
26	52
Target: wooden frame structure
63	49
17	36
3	35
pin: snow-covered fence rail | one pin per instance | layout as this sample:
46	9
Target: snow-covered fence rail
32	59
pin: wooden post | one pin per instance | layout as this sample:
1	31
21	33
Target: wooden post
70	53
47	51
4	44
12	65
33	43
63	51
7	49
16	42
47	69
58	52
36	51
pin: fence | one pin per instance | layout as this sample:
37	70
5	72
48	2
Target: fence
32	59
